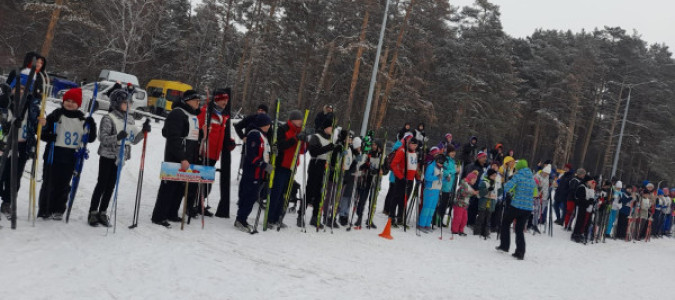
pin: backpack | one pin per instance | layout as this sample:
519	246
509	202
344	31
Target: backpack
386	166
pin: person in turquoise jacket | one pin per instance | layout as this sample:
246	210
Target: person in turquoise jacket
433	177
523	188
447	191
392	179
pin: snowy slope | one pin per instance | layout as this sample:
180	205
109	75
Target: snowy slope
54	260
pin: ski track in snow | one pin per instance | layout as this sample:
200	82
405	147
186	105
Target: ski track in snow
55	260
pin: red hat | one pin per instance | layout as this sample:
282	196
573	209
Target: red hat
74	95
568	166
481	154
471	176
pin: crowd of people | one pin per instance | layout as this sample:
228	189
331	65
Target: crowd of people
431	185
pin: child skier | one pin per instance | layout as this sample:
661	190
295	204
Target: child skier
255	169
616	206
433	183
111	133
181	130
65	128
486	205
464	194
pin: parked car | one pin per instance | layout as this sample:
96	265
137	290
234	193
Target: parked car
140	101
114	76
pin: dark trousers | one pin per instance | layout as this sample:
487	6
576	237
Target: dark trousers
249	193
621	226
55	188
363	191
520	216
402	192
315	173
472	211
107	176
390	195
169	199
580	226
223	210
557	207
5	183
282	177
481	228
443	206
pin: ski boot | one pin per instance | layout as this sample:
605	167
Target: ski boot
103	219
93	218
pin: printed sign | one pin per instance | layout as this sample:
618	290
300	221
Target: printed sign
196	173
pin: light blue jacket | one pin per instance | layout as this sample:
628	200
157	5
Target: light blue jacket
397	145
449	171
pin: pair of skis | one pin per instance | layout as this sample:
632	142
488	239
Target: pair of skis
270	177
294	167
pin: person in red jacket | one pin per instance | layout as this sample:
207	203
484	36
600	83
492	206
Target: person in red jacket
404	167
216	131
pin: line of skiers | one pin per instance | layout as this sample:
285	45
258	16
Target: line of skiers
487	190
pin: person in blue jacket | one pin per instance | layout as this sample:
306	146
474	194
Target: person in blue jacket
450	170
523	188
627	197
433	182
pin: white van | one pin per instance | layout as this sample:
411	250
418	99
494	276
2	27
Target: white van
139	103
114	76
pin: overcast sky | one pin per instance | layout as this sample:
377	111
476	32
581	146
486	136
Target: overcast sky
654	20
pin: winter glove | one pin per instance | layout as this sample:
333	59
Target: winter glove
275	150
328	147
89	121
231	145
268	168
146	126
302	137
122	135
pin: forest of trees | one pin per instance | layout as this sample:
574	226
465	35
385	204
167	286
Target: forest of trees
555	95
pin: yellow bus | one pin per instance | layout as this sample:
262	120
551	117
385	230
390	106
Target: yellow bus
170	90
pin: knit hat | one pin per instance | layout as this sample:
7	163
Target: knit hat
117	97
618	185
491	172
221	94
434	151
666	191
327	122
470	176
568	166
481	155
473	138
521	164
547	169
498	146
264	107
74	95
413	141
189	95
650	184
581	171
448	135
660	193
262	120
356	143
295	115
508	159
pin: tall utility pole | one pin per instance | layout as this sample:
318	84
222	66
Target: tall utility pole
373	77
47	45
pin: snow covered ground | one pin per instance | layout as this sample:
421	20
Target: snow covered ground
55	260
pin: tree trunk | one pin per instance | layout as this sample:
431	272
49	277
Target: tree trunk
589	130
535	143
303	79
574	87
357	63
51	29
606	164
324	73
378	86
392	68
223	46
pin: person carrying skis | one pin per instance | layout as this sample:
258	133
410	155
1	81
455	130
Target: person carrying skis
255	170
216	133
392	179
342	155
28	126
464	195
627	199
433	183
111	133
561	192
646	206
524	189
288	137
351	163
541	202
370	170
666	211
320	148
570	204
487	192
479	168
450	171
181	130
616	206
404	166
69	122
584	199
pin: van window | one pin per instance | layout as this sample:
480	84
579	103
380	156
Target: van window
173	95
139	95
155	92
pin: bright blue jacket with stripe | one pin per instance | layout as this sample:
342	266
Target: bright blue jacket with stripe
523	188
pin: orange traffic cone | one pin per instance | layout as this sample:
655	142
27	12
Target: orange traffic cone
386	233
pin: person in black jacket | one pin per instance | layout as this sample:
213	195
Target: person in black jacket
401	133
248	121
477	167
321	117
561	192
584	197
320	147
470	151
580	174
181	130
255	169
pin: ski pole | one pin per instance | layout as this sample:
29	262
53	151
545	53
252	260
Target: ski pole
139	185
